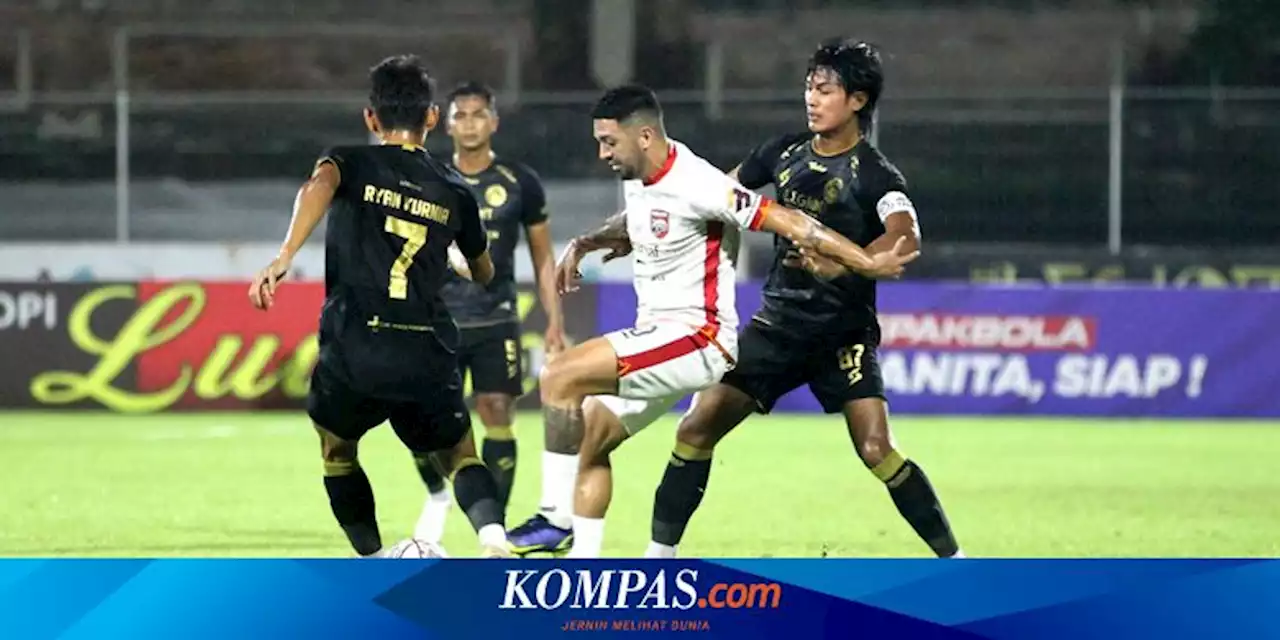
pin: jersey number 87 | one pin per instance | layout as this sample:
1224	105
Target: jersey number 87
415	237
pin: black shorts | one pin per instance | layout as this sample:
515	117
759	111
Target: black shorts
365	377
494	356
423	426
773	361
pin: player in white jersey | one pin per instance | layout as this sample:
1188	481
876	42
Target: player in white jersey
681	223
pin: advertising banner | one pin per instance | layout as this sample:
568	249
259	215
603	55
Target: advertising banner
1103	351
946	349
54	337
156	346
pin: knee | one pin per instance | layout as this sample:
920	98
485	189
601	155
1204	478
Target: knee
595	442
339	455
875	451
697	433
495	410
554	382
602	432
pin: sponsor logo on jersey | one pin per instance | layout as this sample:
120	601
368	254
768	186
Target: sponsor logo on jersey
495	195
831	192
659	223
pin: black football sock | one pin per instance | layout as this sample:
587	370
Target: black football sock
499	453
477	493
351	498
917	502
679	493
430	475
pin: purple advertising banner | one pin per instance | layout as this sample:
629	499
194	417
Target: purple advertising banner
1101	351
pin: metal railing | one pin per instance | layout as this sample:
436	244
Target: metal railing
1113	166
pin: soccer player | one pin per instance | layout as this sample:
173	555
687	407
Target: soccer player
823	333
681	221
387	342
510	198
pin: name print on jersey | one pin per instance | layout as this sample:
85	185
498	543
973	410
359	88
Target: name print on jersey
418	207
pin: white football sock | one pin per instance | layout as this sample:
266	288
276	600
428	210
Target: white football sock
659	550
588	537
430	527
492	535
559	481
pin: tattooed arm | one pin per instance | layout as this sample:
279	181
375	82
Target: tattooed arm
815	239
612	236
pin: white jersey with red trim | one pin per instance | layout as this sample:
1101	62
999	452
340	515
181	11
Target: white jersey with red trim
684	227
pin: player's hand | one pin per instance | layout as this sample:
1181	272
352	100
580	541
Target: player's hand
567	274
553	341
890	264
820	266
262	292
458	262
617	249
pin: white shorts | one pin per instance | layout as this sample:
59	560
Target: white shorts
662	363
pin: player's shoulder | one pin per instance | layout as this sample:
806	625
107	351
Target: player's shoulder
875	168
448	176
786	145
339	155
342	150
515	172
689	166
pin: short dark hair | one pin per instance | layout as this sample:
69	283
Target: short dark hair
627	101
401	92
473	89
857	65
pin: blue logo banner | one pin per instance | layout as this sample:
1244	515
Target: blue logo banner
743	599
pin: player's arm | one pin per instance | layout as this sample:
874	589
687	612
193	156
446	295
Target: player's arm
472	240
812	236
758	213
611	235
537	230
898	215
309	207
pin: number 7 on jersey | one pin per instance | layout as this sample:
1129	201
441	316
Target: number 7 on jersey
415	237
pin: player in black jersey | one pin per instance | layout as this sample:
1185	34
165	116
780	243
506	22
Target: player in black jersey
511	198
388	346
820	330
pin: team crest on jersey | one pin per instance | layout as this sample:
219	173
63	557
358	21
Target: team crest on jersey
495	195
659	223
831	193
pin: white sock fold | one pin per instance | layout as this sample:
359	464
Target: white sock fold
588	537
492	535
559	481
430	527
659	550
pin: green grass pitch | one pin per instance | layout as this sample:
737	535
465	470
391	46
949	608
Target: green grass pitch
90	484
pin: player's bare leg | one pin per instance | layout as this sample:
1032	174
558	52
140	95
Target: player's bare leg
477	494
714	413
603	434
912	493
551	529
496	411
588	369
497	414
350	494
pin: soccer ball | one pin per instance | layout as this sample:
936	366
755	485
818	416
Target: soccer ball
412	548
